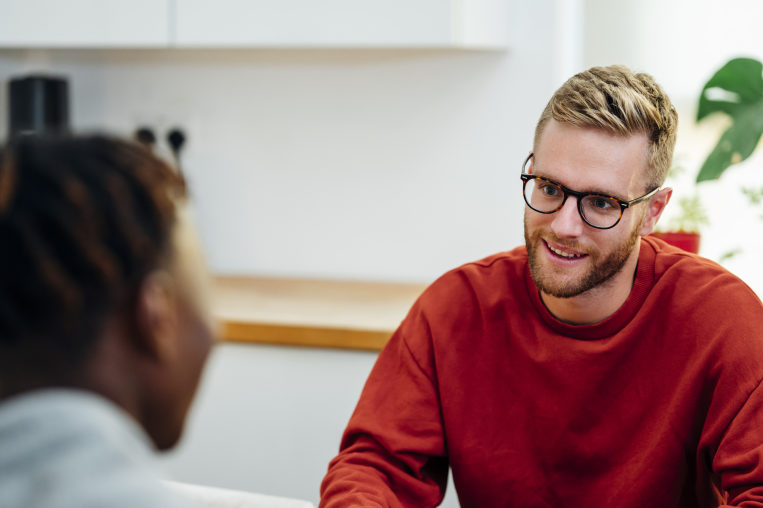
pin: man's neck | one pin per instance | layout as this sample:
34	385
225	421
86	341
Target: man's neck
596	304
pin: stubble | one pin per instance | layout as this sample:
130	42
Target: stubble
603	266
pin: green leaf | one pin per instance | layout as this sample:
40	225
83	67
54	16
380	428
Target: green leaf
729	254
692	215
740	82
736	144
740	78
754	195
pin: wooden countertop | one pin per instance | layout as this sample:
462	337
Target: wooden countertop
305	312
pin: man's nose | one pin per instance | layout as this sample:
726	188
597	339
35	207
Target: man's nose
567	221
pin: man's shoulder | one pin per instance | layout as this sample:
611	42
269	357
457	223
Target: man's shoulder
697	281
680	268
510	259
507	264
494	277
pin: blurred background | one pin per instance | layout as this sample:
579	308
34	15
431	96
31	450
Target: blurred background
362	140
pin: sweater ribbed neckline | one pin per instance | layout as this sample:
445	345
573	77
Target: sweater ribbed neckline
642	284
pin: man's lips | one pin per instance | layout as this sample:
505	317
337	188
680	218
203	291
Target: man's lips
564	252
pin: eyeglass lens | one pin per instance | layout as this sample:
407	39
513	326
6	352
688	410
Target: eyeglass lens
546	197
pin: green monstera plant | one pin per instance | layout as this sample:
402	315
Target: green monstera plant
737	91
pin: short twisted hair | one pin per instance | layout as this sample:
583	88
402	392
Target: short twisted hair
82	221
616	99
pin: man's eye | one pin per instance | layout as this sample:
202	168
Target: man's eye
602	204
548	189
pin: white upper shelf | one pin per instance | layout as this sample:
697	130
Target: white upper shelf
84	23
343	23
468	24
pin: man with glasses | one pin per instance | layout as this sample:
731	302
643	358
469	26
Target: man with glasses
595	366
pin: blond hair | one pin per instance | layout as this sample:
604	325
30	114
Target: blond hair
619	101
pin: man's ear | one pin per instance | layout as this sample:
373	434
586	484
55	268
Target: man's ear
530	167
655	206
157	317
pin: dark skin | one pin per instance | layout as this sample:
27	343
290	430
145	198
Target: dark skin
149	357
133	356
133	362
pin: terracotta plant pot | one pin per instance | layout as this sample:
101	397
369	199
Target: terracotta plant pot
681	239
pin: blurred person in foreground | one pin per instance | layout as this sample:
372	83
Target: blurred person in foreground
104	331
594	366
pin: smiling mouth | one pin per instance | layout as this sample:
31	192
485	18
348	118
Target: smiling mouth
564	254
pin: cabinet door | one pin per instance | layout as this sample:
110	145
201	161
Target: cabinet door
314	23
84	23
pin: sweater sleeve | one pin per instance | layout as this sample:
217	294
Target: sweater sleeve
393	450
738	462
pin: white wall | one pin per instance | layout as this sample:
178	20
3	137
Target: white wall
682	43
269	419
354	164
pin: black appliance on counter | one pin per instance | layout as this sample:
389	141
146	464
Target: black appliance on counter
38	104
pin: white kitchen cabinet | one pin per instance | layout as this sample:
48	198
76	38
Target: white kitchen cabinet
478	24
342	23
85	23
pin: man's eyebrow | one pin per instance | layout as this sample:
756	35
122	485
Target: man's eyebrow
586	190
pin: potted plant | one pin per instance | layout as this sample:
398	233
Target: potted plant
682	224
683	229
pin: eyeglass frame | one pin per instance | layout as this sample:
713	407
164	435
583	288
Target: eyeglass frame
579	195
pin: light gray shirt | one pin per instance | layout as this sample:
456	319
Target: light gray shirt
73	449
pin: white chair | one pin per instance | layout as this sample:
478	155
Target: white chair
214	497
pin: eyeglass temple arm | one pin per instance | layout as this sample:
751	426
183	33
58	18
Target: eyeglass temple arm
642	198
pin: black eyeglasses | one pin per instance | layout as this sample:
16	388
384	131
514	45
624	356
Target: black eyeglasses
598	210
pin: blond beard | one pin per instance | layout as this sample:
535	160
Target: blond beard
603	269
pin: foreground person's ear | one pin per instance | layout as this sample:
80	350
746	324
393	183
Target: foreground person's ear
157	316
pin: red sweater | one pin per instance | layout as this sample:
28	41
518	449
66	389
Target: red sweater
659	405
